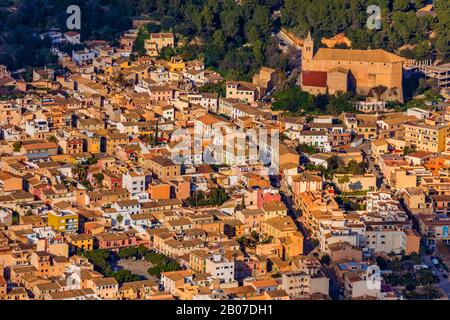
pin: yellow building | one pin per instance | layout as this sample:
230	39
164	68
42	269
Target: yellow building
367	129
286	234
64	221
113	140
158	41
402	178
93	144
82	241
197	260
274	209
279	227
378	147
427	135
176	64
356	182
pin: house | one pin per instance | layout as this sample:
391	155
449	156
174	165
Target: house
10	182
115	241
63	221
163	168
134	182
265	79
72	37
244	91
104	288
83	57
174	279
218	266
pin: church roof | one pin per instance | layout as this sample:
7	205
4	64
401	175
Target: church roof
377	55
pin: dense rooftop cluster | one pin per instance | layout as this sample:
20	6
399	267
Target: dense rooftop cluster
104	193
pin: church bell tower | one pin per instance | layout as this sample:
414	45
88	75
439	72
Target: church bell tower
308	48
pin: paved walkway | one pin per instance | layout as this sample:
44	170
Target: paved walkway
138	267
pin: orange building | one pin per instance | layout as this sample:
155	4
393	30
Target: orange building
10	182
435	164
159	191
412	241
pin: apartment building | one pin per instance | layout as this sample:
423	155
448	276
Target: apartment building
163	168
244	91
63	221
427	135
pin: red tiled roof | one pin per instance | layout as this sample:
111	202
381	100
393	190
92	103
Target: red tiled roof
314	78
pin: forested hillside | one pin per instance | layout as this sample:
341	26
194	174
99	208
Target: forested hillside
235	39
400	24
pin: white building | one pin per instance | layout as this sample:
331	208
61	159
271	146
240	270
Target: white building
85	56
381	240
418	113
316	139
130	207
219	267
37	128
308	279
134	182
358	286
72	37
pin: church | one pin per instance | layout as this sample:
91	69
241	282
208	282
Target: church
367	72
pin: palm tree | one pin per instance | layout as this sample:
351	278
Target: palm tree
425	276
53	139
98	179
431	292
343	180
17	145
79	171
119	219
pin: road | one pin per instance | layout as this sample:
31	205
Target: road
444	284
366	149
286	198
297	49
288	41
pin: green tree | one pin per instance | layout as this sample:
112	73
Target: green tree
425	277
142	251
325	259
98	178
292	99
401	5
342	181
127	252
17	145
53	139
430	292
255	236
306	148
125	276
79	171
